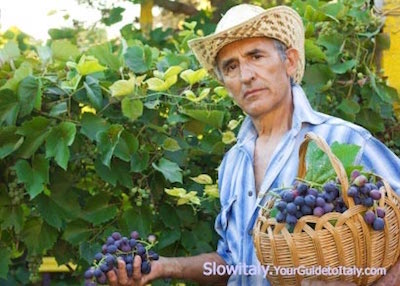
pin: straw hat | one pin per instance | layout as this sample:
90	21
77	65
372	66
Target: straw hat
249	21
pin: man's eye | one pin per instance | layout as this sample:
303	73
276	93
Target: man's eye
256	57
231	67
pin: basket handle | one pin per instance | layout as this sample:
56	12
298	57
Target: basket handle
335	162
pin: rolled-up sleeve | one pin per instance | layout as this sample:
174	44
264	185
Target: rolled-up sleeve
379	159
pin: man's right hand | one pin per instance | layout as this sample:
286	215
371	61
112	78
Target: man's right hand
119	277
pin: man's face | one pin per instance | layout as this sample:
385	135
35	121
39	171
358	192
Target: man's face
255	75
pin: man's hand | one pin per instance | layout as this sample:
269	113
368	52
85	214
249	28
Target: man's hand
392	278
120	277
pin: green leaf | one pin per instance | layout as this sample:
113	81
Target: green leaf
370	120
76	232
170	170
57	143
35	132
92	124
313	52
132	108
349	106
38	236
93	91
138	59
9	107
64	50
319	168
10	51
104	54
316	76
24	70
139	218
127	145
87	250
59	108
98	209
383	41
169	237
169	216
13	218
112	16
333	43
341	68
170	144
59	207
34	177
88	65
193	77
121	88
212	117
29	93
117	172
5	261
9	141
107	141
139	161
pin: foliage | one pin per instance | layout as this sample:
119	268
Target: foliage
128	134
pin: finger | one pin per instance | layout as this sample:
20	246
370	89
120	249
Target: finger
122	274
137	262
112	278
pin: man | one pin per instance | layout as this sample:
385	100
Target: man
259	56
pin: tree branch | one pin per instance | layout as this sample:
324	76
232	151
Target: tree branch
176	7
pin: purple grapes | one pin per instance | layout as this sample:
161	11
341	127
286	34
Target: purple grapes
120	247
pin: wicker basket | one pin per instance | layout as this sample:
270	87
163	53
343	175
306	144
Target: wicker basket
315	241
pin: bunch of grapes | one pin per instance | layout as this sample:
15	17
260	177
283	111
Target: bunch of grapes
365	192
34	263
124	248
304	200
16	192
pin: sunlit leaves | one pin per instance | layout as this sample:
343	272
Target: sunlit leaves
192	77
123	87
64	50
203	179
183	196
88	65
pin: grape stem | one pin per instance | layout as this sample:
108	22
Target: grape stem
312	184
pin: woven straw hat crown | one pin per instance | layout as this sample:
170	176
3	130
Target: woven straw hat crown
249	21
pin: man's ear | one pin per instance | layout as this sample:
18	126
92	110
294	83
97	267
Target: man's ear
292	59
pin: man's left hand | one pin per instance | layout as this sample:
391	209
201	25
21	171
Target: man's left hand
392	277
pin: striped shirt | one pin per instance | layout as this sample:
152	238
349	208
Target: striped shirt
238	198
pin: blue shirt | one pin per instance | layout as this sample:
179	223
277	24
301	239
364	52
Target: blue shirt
236	181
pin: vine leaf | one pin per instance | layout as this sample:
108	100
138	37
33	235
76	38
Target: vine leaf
34	177
57	143
170	170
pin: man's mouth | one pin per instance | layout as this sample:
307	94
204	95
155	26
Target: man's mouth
253	91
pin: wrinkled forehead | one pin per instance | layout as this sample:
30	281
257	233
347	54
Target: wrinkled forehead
242	46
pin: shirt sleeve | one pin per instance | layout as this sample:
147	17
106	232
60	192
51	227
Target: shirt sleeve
379	159
221	222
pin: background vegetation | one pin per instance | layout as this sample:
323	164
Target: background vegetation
127	134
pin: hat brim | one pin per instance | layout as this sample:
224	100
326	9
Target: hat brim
281	23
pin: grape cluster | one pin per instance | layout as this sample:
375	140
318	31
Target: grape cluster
16	192
305	200
365	192
34	263
125	248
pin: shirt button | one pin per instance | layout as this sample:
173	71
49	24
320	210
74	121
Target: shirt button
250	193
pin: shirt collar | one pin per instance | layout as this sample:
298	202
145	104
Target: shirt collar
302	113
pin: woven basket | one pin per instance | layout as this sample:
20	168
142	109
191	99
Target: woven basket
316	242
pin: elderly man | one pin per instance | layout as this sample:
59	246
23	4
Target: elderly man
259	56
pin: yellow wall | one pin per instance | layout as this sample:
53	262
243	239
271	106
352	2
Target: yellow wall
391	58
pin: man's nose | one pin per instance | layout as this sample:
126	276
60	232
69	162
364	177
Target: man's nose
246	73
